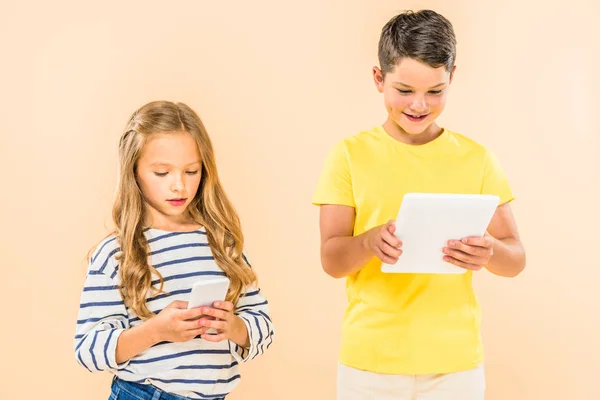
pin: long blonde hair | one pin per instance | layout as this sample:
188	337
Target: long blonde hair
210	207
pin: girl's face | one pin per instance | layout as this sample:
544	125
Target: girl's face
168	173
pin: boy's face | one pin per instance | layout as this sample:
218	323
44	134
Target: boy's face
414	93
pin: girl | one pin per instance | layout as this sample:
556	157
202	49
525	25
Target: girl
174	226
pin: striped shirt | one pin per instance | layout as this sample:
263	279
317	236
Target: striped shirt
196	369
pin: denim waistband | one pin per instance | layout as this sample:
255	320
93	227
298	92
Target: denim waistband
149	392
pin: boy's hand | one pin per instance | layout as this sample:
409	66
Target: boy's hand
471	253
383	243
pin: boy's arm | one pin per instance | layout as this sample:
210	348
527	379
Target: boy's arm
343	254
508	257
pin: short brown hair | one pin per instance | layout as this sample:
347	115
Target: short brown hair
423	35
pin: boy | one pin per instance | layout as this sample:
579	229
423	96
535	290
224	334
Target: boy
410	336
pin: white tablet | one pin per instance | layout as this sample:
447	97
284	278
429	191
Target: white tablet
425	223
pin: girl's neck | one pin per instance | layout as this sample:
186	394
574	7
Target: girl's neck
179	228
181	223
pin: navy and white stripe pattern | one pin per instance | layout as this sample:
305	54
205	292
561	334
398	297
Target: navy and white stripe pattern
196	369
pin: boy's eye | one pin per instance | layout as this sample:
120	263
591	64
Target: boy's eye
406	92
161	173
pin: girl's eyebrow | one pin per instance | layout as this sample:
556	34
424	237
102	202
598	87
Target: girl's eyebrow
160	163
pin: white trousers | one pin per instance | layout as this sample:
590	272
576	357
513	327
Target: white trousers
355	384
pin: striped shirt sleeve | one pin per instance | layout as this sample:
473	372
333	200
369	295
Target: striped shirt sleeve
253	308
101	319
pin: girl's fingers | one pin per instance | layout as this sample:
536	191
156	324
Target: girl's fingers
193	313
214	338
223	305
220	325
213	312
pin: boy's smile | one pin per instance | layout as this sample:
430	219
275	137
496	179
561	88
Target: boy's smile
415	117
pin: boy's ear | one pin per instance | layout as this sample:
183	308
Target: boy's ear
452	73
378	79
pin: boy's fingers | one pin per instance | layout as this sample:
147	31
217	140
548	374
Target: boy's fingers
469	249
462	264
391	239
385	258
390	251
478	241
391	226
465	257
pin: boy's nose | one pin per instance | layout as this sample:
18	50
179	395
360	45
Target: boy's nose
419	105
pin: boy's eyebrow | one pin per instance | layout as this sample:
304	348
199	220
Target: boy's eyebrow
408	86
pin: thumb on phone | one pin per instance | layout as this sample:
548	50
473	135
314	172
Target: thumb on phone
179	304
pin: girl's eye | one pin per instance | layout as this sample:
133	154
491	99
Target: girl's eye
435	91
192	172
161	173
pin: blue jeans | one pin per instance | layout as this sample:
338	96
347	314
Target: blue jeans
123	390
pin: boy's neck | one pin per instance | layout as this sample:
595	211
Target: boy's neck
432	132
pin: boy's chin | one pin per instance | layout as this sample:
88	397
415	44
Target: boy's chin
414	129
414	132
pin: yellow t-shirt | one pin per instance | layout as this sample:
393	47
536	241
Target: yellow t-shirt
407	323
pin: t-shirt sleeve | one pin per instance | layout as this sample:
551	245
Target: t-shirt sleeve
335	183
494	179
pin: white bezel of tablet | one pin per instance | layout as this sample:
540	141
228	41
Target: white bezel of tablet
425	223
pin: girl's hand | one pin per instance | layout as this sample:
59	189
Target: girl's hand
228	325
175	323
471	253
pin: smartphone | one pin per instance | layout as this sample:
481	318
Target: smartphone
207	291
